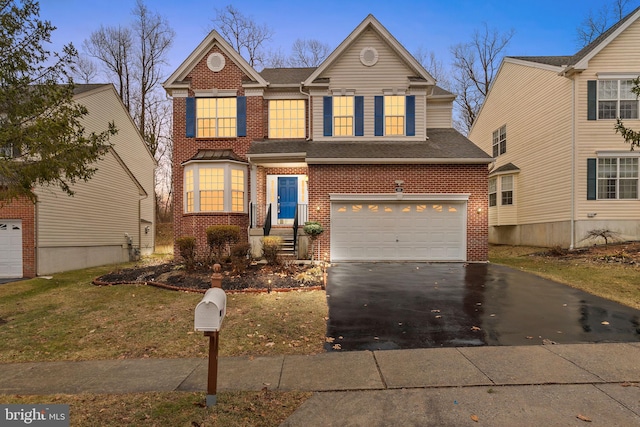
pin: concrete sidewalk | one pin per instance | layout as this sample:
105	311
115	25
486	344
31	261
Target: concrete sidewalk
528	385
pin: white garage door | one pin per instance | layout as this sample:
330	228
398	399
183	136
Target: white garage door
392	231
10	248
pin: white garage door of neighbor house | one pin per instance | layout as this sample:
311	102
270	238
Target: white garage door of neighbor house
396	231
10	248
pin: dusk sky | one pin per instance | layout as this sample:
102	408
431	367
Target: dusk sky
543	27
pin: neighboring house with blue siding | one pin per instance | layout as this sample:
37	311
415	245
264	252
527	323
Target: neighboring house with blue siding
561	170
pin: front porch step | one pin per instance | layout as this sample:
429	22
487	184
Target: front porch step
287	241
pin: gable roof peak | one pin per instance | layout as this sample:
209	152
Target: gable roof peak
212	39
371	22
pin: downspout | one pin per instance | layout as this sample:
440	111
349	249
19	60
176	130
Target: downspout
308	95
573	162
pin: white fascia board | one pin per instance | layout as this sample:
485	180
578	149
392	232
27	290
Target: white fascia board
395	161
260	158
418	197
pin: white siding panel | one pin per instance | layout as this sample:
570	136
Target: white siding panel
535	105
622	55
389	73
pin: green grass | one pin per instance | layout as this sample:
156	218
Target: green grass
616	282
68	318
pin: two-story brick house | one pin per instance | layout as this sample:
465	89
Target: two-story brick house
561	170
363	144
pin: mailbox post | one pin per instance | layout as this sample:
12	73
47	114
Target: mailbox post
208	318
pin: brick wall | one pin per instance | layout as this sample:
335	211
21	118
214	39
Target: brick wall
202	78
363	179
24	210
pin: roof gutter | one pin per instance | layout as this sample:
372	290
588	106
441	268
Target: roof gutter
379	161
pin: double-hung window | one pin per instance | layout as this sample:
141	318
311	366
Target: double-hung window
215	187
216	117
618	178
493	192
343	113
616	100
506	190
499	142
394	113
286	118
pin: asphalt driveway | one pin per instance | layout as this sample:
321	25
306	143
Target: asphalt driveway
378	306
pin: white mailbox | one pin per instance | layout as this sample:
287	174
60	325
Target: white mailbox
211	310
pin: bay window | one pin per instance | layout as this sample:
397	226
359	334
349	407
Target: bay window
219	186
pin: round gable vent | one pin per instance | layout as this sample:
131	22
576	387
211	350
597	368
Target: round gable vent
369	56
215	62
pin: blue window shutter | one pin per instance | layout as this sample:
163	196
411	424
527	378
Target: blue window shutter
411	115
241	119
379	116
359	115
327	113
591	179
190	117
592	105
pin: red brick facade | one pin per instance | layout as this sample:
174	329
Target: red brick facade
323	179
23	209
371	179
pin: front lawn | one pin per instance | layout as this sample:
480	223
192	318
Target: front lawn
68	318
611	271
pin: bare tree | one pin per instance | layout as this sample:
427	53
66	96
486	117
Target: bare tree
474	67
113	46
276	59
598	21
308	53
434	66
245	35
84	69
154	38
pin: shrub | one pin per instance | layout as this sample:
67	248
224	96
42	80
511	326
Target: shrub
271	246
187	250
603	233
240	257
220	238
313	229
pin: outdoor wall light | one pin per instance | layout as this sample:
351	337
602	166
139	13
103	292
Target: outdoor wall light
318	208
479	211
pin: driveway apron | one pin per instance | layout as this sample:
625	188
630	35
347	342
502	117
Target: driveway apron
378	306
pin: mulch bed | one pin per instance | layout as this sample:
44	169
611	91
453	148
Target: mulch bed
257	278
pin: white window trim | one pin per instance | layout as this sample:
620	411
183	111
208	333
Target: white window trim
619	78
617	156
227	192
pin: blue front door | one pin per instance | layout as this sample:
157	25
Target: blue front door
287	197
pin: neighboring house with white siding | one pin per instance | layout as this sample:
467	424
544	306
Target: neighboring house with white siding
110	218
560	169
364	144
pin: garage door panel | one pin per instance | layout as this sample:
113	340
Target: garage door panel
10	248
428	231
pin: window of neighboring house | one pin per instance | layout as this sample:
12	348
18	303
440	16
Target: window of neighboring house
615	99
286	118
506	190
216	117
220	187
500	141
493	192
394	113
188	190
343	115
618	178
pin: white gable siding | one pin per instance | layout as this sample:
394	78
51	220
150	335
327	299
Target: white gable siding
104	107
622	55
535	105
389	73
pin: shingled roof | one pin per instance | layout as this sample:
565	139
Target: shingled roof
443	146
570	60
